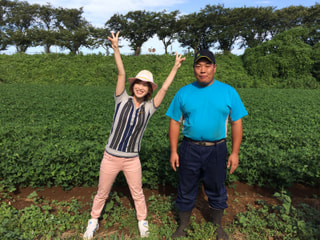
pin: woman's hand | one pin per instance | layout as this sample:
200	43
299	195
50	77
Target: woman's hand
179	60
114	40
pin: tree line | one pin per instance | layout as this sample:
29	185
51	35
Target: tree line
25	25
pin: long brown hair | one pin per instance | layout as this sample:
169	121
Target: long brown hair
148	96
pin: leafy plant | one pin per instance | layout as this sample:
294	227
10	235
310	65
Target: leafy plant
280	221
283	62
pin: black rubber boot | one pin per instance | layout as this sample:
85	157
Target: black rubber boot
184	224
216	220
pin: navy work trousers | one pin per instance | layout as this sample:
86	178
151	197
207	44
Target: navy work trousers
206	163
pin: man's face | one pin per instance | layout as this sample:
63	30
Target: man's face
204	71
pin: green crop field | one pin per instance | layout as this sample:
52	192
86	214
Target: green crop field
53	131
55	135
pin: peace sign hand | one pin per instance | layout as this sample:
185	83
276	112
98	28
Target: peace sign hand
114	40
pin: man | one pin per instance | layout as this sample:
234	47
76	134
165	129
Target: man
204	107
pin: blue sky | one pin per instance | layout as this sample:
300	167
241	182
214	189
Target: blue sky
97	12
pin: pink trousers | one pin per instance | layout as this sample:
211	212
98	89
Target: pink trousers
109	169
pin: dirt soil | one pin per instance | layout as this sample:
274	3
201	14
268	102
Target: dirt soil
239	196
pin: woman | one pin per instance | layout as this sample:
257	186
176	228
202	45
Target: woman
132	114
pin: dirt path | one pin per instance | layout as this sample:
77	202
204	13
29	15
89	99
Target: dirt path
239	196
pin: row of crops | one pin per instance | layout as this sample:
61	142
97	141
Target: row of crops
55	135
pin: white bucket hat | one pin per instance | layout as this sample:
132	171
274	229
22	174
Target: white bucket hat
145	76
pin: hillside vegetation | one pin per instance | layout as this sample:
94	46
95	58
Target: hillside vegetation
240	71
101	70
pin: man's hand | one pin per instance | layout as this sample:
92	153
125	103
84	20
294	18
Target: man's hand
233	162
174	161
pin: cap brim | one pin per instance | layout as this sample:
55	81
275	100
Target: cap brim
203	57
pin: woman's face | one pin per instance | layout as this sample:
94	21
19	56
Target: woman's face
140	89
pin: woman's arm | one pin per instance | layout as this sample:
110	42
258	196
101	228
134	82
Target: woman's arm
162	92
121	83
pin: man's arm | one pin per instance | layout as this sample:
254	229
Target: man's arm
236	132
174	130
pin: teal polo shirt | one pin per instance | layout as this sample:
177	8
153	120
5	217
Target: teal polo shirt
204	111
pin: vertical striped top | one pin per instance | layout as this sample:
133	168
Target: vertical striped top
129	124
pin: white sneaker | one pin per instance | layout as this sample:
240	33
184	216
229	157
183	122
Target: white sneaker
91	228
143	228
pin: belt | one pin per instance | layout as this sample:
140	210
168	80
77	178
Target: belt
205	143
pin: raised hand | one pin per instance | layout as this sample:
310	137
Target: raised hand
179	60
114	40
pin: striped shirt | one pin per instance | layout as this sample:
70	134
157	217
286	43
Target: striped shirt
129	124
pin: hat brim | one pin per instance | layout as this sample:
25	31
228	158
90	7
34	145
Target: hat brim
131	80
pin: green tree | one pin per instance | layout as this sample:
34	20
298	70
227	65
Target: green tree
46	33
99	38
4	38
316	57
289	17
137	27
221	26
167	30
21	19
227	30
283	59
191	31
74	30
255	25
312	20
